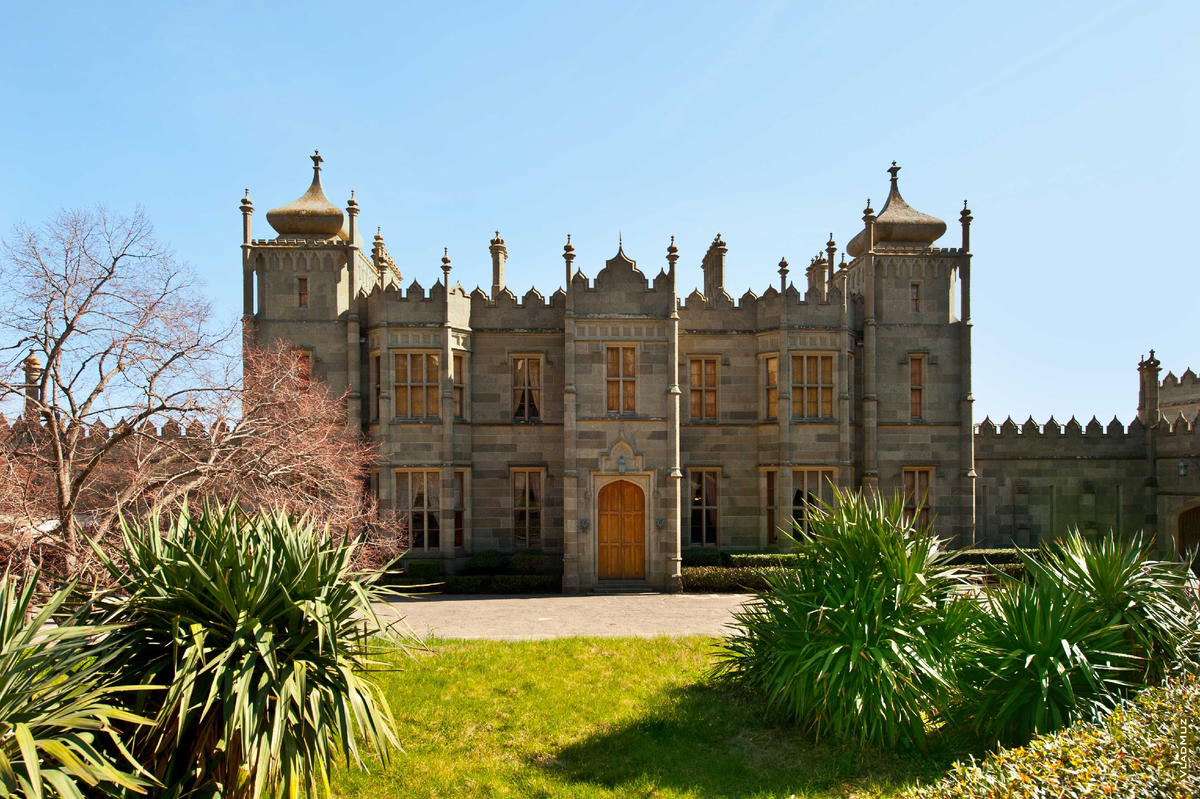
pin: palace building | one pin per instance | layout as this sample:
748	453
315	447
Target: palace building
619	421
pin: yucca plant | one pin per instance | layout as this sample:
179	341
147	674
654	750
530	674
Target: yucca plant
261	634
58	707
1040	657
1122	579
858	641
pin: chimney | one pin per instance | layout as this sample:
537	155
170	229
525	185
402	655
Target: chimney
1148	407
33	387
714	269
499	254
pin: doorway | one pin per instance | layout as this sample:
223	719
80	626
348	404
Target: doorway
1189	534
621	509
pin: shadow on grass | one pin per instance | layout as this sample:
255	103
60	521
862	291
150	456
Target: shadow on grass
718	741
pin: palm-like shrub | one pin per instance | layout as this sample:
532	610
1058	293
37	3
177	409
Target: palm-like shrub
1040	657
859	640
257	629
57	705
1122	580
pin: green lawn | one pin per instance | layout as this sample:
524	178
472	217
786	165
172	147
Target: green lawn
593	717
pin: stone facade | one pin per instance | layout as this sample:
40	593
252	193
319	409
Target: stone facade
502	420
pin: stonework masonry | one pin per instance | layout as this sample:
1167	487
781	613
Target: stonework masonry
501	420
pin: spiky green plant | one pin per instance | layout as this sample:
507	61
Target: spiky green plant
859	640
260	631
1122	579
57	705
1040	657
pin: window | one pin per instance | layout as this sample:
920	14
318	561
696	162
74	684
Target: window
772	505
416	384
916	297
527	508
622	379
527	388
812	386
917	499
704	507
418	498
374	409
457	362
373	487
460	510
771	364
704	388
301	292
916	381
810	489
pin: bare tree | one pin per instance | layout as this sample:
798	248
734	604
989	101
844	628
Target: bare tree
132	400
125	335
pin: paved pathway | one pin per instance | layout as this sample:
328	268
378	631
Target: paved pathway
522	618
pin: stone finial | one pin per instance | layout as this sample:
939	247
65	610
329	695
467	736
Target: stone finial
569	249
317	160
446	260
247	204
868	212
672	253
894	171
497	242
352	204
783	268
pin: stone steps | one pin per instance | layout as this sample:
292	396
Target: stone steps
621	587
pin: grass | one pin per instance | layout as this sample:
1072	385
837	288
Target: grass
591	717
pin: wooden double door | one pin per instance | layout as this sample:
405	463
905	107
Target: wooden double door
621	508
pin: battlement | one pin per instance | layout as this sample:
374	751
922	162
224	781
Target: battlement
98	432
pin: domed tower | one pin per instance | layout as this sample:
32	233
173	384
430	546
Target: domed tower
915	358
312	274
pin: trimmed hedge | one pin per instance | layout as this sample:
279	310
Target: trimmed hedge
1146	748
982	557
487	561
530	562
484	584
423	569
504	584
787	560
718	579
700	557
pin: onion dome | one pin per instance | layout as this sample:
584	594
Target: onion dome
311	216
899	223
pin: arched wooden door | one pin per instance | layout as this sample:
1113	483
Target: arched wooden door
621	506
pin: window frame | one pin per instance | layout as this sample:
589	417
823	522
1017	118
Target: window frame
913	505
426	512
375	378
802	476
712	504
918	375
458	381
622	380
801	387
540	472
914	296
527	357
302	293
436	386
704	389
771	504
768	387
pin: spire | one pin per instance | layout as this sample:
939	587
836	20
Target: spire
247	210
965	218
499	256
830	251
898	223
569	257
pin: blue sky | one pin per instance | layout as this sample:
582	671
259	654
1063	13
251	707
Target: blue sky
1071	127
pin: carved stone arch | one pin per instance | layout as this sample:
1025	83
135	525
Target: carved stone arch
622	457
